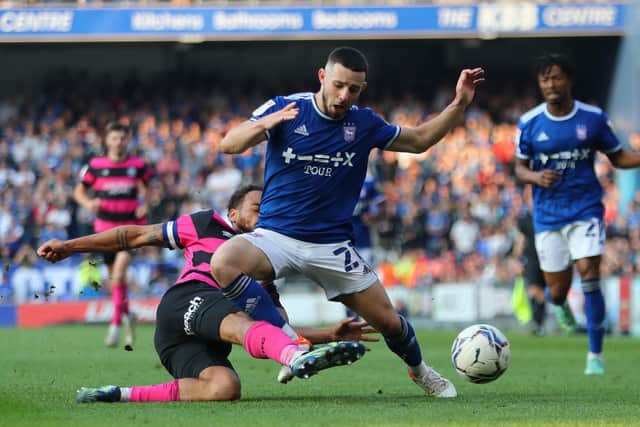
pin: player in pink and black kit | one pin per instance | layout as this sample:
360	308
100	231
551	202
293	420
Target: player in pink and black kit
196	324
116	181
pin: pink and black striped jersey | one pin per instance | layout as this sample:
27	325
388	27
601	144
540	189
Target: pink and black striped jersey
200	235
116	185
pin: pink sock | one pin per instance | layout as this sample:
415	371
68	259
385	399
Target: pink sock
265	341
168	392
120	303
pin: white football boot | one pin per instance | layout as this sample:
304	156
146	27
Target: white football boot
434	384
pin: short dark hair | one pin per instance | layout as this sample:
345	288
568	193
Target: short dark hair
348	57
238	196
116	127
560	60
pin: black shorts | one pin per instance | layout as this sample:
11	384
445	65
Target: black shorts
533	275
187	337
110	257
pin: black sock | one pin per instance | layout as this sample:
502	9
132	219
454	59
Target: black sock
539	312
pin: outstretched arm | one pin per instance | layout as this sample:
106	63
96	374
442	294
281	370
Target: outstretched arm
117	239
344	330
250	133
420	138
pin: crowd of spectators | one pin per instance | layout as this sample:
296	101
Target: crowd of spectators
450	213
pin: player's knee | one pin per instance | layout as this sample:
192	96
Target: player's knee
389	326
223	388
234	326
222	267
118	277
557	296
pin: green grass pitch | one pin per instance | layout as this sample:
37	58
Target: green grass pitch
42	368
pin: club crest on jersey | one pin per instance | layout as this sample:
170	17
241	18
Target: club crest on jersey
581	132
349	133
131	172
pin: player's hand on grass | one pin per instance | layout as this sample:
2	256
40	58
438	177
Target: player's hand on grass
348	330
548	178
54	250
467	83
289	112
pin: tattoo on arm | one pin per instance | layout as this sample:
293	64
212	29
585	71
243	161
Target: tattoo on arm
122	240
153	237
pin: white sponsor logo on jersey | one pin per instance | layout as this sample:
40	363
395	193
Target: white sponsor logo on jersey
115	188
336	160
566	159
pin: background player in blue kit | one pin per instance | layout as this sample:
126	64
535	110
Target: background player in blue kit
368	210
316	161
556	147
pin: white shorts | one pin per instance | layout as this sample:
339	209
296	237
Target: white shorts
367	255
558	248
336	267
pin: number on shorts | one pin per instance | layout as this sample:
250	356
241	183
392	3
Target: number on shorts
348	263
595	229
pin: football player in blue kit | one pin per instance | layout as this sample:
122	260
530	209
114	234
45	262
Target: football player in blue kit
556	146
368	210
316	161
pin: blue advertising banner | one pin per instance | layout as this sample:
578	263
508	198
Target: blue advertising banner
8	316
250	23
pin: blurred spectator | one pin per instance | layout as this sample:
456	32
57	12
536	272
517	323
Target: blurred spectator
448	213
465	232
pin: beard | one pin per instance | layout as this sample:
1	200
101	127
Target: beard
325	107
556	100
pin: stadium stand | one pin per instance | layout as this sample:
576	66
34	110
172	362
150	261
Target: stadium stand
46	136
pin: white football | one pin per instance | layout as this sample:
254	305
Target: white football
480	353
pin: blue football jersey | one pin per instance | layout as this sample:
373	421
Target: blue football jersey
567	144
315	167
368	203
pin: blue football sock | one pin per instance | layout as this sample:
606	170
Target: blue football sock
406	345
595	310
254	300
